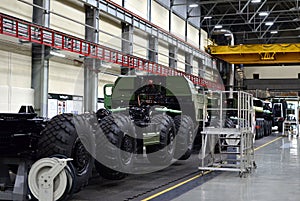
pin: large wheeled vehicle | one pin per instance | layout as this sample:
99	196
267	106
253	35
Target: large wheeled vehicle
263	118
32	148
159	116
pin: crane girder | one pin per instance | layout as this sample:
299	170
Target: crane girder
257	53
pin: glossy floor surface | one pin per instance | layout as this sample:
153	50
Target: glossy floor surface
277	177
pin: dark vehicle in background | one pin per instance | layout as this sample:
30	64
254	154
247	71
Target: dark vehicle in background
263	118
279	113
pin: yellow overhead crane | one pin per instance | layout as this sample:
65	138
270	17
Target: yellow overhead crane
257	53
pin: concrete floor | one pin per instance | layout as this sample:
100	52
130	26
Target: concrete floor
277	177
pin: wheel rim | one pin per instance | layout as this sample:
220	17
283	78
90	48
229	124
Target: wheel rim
170	144
126	150
81	157
40	167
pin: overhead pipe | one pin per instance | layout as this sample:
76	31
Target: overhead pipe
231	77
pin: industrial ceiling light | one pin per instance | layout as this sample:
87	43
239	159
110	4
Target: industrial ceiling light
207	17
255	1
269	23
193	5
57	54
218	26
274	32
263	14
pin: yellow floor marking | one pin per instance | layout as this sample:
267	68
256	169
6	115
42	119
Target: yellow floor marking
197	176
257	148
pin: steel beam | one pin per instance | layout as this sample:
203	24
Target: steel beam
261	58
27	31
189	63
201	68
127	46
173	56
258	53
91	65
40	61
130	18
153	49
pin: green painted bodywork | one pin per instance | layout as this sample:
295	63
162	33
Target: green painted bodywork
178	87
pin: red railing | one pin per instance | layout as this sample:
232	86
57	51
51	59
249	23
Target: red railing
27	31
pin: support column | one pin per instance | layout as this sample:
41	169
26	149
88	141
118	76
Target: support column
170	15
201	68
39	61
91	65
127	46
173	56
149	10
186	23
153	49
189	63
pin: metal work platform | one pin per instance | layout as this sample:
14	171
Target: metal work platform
229	128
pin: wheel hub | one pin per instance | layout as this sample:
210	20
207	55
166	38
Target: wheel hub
81	157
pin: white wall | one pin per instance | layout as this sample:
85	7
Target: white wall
163	53
65	79
178	26
118	2
160	16
17	9
112	26
272	72
195	67
181	60
15	63
71	11
138	7
15	80
193	35
140	40
203	42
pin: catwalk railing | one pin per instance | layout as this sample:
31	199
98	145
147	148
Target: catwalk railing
27	31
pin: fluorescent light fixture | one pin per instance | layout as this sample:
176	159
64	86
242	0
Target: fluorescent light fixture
263	14
207	17
218	26
255	1
57	54
269	23
274	32
193	5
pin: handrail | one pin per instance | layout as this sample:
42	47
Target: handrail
25	30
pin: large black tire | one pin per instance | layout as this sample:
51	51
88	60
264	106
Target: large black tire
268	127
163	153
280	127
115	147
60	138
184	138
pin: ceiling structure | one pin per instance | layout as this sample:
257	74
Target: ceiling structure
250	21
